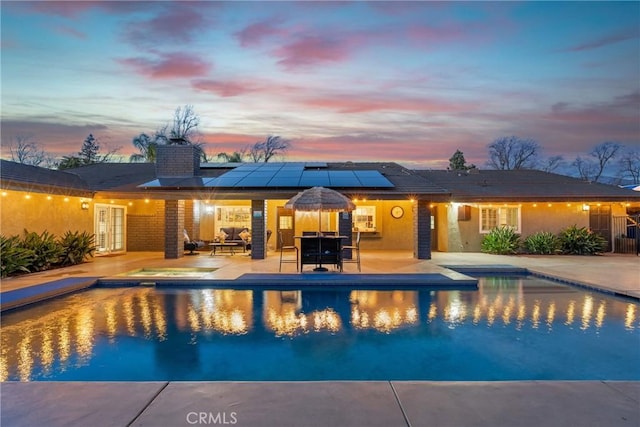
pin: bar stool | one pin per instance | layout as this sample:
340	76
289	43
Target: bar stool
284	248
354	248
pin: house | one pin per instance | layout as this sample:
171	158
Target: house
146	207
527	200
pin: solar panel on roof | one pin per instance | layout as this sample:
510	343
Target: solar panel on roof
279	175
372	179
283	181
343	179
224	181
315	165
154	183
314	179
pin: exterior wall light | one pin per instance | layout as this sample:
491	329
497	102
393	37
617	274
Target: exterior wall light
84	206
585	207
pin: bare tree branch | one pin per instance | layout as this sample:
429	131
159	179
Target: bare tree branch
184	129
28	152
630	165
512	152
270	147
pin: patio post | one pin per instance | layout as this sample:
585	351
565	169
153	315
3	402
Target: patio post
422	230
258	229
173	229
344	229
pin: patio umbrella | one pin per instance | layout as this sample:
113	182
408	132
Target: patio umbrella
320	199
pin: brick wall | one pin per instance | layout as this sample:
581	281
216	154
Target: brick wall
173	229
258	230
177	161
422	230
146	232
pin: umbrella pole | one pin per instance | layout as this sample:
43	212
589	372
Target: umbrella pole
320	267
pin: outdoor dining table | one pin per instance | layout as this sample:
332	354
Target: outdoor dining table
321	249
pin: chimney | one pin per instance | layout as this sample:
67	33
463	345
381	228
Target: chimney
177	161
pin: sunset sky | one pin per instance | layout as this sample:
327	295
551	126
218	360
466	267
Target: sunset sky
381	81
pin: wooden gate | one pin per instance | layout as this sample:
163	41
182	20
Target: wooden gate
626	234
600	222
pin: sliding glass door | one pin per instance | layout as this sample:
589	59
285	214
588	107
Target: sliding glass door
110	229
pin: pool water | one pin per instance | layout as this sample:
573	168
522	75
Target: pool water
511	328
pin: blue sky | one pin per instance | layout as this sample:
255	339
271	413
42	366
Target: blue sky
380	81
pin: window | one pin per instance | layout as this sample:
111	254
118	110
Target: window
504	216
233	216
364	218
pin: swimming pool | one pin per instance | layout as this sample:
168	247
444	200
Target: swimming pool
511	328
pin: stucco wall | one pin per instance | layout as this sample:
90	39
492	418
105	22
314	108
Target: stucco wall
40	212
465	236
391	233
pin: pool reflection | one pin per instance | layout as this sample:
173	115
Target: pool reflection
48	339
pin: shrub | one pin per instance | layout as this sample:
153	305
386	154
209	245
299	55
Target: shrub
76	247
581	241
14	257
46	249
501	240
542	243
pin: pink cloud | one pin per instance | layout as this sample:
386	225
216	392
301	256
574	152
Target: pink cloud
623	35
619	109
224	88
177	22
254	34
71	32
430	34
312	50
169	65
360	104
73	9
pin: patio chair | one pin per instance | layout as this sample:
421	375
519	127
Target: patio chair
354	248
284	249
190	245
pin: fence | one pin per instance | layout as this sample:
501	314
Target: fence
626	234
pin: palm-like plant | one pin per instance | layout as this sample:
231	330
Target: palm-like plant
235	157
147	148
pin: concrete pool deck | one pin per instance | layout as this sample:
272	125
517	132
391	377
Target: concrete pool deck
335	404
393	403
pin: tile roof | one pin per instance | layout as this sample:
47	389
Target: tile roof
480	185
17	176
502	185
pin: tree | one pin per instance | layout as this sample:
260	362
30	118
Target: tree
89	154
592	169
90	150
235	157
512	152
552	163
147	148
28	152
184	129
70	162
457	162
265	150
630	165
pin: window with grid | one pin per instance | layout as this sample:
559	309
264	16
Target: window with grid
364	218
503	216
